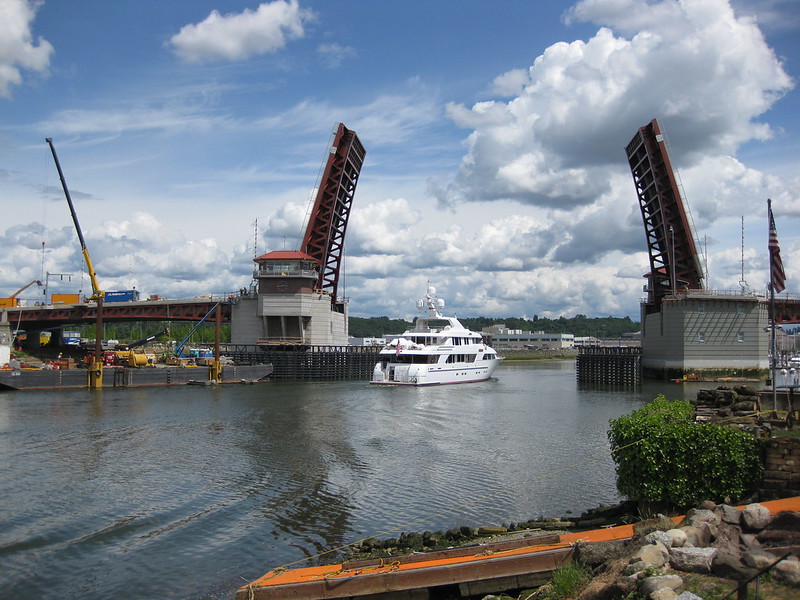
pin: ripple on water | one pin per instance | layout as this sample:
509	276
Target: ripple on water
190	492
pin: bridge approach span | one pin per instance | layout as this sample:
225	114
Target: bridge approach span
57	316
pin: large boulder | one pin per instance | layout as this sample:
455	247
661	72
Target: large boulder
699	536
758	559
658	536
594	554
678	537
656	554
729	566
729	514
782	530
692	560
756	516
728	539
648	585
696	516
788	570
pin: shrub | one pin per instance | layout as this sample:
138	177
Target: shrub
662	456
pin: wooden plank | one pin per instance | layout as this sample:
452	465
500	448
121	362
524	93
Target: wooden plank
513	565
502	584
411	577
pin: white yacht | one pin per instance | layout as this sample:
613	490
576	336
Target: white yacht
438	350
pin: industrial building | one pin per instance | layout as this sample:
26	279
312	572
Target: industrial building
503	338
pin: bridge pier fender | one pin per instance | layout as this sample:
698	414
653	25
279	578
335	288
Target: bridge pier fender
94	378
215	371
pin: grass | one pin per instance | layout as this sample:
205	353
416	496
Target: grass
568	581
709	587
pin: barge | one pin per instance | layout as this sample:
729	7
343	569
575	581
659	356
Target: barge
114	377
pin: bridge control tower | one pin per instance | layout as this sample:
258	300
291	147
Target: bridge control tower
296	299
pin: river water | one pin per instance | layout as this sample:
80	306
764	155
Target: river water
190	492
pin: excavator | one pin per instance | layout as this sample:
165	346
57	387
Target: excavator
12	301
124	354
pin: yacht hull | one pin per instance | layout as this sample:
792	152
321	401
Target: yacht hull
425	375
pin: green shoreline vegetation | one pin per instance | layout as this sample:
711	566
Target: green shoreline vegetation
579	325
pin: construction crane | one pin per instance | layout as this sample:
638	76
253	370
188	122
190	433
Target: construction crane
97	293
25	287
178	350
12	301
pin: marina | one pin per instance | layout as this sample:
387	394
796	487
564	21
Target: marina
192	491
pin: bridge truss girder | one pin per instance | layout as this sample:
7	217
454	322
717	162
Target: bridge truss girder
674	262
327	224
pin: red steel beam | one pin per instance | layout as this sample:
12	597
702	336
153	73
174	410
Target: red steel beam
324	235
674	261
787	310
44	317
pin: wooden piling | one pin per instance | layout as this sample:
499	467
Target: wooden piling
615	365
309	363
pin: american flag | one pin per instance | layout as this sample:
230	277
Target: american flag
777	275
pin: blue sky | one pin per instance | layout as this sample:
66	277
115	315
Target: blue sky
495	136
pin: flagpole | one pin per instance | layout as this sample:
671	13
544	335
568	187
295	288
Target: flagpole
772	316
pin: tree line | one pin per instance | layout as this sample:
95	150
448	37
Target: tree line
177	331
579	325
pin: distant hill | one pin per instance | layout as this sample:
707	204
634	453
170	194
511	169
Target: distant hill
579	325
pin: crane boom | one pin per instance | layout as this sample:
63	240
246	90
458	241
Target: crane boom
25	287
96	291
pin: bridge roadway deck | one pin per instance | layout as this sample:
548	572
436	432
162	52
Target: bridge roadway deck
54	316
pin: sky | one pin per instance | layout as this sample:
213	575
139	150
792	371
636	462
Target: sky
192	133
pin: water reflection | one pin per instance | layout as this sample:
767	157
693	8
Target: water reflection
188	492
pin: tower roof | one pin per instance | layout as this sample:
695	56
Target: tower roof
285	255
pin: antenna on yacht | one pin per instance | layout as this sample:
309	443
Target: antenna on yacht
430	302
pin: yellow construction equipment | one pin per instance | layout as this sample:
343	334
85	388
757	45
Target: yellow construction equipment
94	375
96	291
12	300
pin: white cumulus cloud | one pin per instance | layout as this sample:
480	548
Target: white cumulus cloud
694	65
234	37
18	51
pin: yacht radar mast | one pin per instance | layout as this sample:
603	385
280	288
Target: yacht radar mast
431	303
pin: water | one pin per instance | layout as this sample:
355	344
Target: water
190	492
